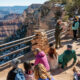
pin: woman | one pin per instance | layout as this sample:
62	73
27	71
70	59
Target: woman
53	58
41	73
41	58
75	27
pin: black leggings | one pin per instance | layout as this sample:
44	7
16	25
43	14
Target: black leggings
75	34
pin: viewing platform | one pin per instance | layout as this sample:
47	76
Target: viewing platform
49	36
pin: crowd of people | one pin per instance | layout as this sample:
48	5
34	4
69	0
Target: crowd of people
75	29
44	63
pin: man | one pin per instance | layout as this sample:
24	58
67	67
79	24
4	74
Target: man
75	27
12	72
58	30
67	56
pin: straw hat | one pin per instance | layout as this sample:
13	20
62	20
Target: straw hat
77	18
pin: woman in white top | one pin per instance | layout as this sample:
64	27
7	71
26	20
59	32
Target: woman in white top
53	58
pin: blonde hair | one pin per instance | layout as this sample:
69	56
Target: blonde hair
38	50
41	72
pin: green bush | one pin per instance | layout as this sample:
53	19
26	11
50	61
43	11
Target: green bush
65	18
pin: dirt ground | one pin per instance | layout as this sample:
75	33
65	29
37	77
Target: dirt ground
65	74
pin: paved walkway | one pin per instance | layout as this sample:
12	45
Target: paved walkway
65	75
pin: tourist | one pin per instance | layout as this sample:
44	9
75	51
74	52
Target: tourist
58	30
52	57
15	73
41	73
28	70
67	56
79	29
76	74
41	58
75	27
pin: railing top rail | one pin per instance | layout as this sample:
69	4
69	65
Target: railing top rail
50	30
14	52
5	44
10	61
14	45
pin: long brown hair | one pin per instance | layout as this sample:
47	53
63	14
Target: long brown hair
41	72
52	52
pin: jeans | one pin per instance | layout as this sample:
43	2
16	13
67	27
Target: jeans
75	34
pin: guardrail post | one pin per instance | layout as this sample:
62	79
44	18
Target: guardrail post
40	40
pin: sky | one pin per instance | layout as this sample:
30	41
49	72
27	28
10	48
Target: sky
20	2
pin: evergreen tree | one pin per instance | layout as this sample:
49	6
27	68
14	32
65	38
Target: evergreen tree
73	7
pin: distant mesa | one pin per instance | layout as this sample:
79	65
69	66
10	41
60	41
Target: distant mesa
11	10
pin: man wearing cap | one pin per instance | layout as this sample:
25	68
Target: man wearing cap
67	56
58	30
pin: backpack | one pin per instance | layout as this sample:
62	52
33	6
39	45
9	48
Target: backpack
79	22
74	24
19	75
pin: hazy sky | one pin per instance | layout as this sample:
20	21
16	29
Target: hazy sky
19	2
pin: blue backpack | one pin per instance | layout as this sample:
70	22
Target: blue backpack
19	75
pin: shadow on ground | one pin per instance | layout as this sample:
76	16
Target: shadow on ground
57	71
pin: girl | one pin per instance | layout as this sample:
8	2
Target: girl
76	74
41	73
28	71
41	58
53	58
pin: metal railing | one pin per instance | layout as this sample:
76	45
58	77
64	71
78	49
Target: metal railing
51	39
12	44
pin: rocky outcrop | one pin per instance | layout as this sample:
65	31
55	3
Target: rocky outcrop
42	17
32	8
9	27
37	16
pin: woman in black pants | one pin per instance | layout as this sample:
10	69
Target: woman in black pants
75	28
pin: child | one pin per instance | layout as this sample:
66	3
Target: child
76	74
41	58
53	58
28	70
41	73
